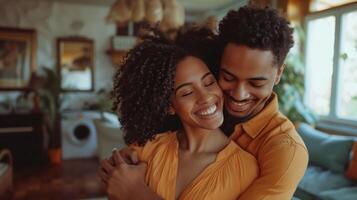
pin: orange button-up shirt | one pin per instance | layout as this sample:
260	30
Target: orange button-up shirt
281	153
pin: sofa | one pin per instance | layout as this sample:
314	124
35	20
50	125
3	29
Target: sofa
109	135
332	169
6	174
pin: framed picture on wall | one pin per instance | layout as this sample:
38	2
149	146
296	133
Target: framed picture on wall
75	58
17	57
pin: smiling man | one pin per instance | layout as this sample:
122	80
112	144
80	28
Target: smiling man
255	42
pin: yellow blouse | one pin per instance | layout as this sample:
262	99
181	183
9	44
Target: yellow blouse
226	178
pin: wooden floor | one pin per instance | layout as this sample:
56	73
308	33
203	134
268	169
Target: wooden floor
73	179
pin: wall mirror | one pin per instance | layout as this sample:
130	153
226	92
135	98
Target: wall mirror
75	57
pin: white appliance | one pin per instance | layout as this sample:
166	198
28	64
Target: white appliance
79	138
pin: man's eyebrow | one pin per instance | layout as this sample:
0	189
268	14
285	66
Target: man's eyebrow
227	72
258	79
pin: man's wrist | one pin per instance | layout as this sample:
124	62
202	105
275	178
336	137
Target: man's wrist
147	193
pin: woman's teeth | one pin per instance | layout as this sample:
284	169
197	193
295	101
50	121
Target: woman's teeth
209	111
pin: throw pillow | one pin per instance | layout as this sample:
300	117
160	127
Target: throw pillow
347	193
352	166
328	151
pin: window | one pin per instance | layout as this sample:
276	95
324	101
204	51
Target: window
347	98
317	5
331	64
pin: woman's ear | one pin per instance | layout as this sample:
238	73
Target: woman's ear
171	110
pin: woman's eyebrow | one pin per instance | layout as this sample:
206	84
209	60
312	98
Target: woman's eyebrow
182	85
189	83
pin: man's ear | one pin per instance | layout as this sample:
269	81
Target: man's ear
279	74
171	110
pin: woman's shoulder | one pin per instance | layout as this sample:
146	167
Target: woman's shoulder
159	143
162	138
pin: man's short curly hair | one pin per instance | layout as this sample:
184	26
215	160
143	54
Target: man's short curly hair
258	28
143	84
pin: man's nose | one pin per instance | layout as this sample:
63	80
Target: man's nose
239	92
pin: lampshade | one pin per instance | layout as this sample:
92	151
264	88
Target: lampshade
137	10
174	15
119	12
154	11
212	23
169	13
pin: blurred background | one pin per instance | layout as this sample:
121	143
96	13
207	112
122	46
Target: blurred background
57	59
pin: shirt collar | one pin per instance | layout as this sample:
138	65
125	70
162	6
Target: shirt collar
255	125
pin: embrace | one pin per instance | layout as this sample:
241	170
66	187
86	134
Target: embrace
200	116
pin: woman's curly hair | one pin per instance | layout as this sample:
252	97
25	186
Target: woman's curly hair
144	83
261	28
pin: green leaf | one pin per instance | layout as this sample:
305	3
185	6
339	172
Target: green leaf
344	56
290	90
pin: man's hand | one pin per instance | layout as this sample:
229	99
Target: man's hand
120	178
128	155
123	180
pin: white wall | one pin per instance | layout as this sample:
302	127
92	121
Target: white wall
55	19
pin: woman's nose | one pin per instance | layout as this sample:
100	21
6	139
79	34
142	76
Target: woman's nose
204	97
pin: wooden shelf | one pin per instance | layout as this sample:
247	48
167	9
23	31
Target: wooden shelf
116	56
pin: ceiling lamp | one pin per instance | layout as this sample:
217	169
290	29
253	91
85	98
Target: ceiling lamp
154	11
168	13
137	10
174	15
211	23
119	12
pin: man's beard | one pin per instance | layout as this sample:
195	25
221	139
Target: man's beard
230	121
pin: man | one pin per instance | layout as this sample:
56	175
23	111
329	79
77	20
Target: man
256	42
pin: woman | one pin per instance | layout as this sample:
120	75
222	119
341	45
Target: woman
171	109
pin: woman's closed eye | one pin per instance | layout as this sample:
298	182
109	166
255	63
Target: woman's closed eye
184	94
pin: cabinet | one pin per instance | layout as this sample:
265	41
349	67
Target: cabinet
22	134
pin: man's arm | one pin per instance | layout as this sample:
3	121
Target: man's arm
282	164
125	180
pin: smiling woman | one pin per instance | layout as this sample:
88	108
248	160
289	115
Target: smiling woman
141	82
162	80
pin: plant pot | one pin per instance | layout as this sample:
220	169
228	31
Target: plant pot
55	155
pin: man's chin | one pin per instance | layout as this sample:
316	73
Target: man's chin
238	117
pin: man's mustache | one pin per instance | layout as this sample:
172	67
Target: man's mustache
235	100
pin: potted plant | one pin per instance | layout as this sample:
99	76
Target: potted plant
290	90
46	89
103	102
